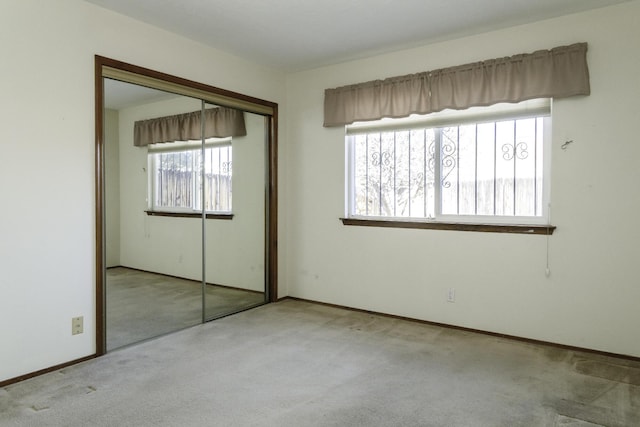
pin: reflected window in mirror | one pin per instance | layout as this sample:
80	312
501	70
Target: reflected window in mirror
175	178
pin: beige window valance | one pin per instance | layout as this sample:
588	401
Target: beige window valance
218	122
556	73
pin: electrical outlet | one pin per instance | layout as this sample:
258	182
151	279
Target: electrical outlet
451	295
77	325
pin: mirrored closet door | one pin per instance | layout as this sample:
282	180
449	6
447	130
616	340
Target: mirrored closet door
235	183
185	206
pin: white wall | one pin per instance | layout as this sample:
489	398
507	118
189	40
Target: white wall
591	297
47	236
47	243
167	245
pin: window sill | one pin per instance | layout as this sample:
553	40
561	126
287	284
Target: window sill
487	228
189	214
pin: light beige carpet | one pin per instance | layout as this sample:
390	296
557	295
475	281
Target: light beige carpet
300	364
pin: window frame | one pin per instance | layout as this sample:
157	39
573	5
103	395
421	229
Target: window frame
176	147
476	115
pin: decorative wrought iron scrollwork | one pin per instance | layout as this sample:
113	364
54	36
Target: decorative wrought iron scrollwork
520	151
226	167
448	160
383	158
431	162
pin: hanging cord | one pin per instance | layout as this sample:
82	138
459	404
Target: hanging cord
547	270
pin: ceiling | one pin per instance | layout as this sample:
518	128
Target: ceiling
118	95
293	35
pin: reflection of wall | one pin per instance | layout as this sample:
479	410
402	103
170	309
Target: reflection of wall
149	243
112	188
235	248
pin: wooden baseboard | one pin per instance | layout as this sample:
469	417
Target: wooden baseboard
393	316
45	371
477	331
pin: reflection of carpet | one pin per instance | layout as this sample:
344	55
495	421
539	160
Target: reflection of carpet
143	305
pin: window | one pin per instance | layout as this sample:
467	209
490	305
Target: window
176	180
483	165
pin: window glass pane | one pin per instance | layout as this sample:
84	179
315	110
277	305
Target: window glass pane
373	174
177	178
402	173
217	185
360	173
488	169
486	148
539	151
386	163
449	173
467	170
505	135
525	167
422	152
174	180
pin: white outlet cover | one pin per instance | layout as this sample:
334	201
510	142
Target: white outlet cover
77	325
